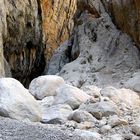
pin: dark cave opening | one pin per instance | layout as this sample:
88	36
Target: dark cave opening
26	63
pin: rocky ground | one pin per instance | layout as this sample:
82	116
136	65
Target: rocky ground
94	90
67	112
15	130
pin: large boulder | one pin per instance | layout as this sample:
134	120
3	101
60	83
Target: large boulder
119	96
100	109
70	95
16	102
61	112
44	86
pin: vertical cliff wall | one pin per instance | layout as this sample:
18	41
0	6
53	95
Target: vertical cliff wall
126	15
57	23
21	38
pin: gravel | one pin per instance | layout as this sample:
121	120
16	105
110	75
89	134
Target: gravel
15	130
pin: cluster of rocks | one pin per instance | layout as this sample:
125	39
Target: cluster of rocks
89	112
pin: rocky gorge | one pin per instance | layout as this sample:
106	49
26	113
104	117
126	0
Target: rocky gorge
79	62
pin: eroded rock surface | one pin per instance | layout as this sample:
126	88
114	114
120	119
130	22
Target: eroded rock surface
44	86
57	23
126	15
102	54
17	103
21	38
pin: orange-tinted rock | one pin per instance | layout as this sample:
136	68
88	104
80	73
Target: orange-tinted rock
57	22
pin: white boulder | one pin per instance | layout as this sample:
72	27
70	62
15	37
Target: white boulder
70	95
44	86
16	102
119	96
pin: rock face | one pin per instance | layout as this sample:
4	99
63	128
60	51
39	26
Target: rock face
102	54
2	72
16	102
126	15
57	22
21	38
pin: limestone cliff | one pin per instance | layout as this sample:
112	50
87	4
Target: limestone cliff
57	23
100	54
21	38
126	15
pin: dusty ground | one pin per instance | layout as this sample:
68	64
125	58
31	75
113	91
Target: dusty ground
14	130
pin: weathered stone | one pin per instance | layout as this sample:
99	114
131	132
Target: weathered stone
71	124
116	121
125	14
87	135
21	38
100	109
70	95
16	102
82	116
85	125
92	90
134	82
116	137
57	23
59	59
54	121
60	111
119	96
136	127
44	86
105	129
103	55
47	101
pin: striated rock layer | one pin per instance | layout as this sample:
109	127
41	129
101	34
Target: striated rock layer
57	23
21	38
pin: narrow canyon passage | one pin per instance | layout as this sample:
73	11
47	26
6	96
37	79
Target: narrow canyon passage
70	69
